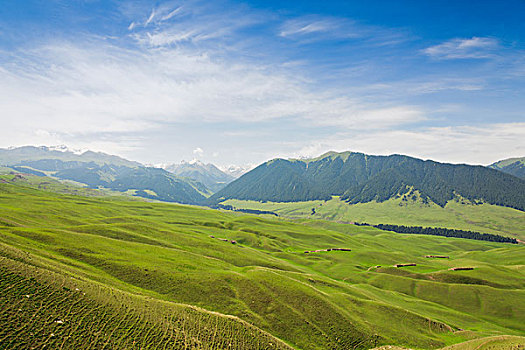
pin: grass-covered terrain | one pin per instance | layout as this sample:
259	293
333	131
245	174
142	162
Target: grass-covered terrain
513	166
458	214
491	343
108	272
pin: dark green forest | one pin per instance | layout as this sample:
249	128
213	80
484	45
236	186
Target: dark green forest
360	178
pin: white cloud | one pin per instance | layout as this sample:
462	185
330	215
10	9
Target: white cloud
166	38
458	48
101	88
150	18
198	152
482	144
171	14
313	28
169	25
311	24
170	77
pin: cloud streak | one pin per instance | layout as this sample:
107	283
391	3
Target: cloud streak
482	144
473	48
314	28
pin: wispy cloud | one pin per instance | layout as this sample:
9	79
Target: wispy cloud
169	25
312	28
171	13
475	47
481	144
150	18
182	73
314	24
198	152
101	88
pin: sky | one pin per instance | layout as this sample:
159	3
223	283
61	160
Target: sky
242	82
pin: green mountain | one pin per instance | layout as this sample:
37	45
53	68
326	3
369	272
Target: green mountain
98	170
207	174
361	178
79	272
513	166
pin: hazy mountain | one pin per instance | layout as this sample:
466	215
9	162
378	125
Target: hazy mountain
513	166
360	178
236	171
102	170
12	156
208	174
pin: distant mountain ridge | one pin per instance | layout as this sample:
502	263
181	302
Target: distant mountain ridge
236	171
208	174
96	169
361	178
513	166
12	156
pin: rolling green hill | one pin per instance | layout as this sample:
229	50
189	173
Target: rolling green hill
360	178
404	210
513	166
94	272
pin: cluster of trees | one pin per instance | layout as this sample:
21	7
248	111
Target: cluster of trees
446	232
248	211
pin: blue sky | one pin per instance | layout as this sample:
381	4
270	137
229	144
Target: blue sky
234	82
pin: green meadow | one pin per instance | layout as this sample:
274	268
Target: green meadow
86	271
458	214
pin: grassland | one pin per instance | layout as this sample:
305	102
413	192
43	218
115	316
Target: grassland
108	272
459	214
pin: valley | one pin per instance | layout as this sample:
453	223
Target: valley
181	262
262	175
456	214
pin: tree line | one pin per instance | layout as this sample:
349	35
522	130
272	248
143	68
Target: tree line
441	231
248	211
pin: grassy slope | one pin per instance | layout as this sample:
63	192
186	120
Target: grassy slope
484	218
40	309
506	162
491	343
128	252
487	343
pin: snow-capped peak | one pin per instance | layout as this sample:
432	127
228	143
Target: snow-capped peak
237	170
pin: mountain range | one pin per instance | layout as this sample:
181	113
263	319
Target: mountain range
96	169
80	269
354	177
18	155
208	174
361	178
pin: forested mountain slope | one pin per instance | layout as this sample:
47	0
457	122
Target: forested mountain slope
361	178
